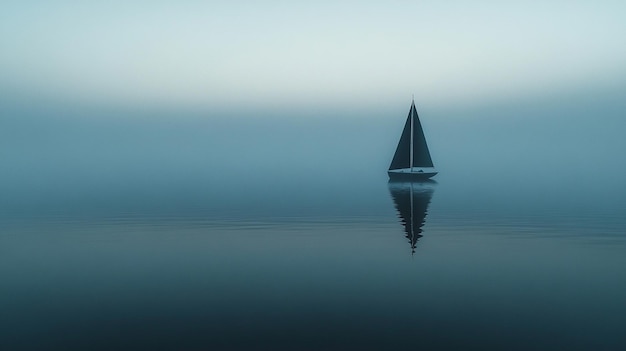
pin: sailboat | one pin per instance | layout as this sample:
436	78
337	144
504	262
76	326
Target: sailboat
412	159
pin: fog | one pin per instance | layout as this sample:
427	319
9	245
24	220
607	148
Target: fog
95	95
582	134
523	151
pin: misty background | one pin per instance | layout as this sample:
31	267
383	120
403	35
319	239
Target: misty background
212	99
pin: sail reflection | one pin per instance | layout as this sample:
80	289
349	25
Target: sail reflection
411	200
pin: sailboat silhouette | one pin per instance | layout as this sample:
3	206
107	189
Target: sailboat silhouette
411	200
412	159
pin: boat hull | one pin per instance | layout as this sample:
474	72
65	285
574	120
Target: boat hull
395	175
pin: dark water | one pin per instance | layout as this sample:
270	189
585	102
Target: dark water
315	266
98	254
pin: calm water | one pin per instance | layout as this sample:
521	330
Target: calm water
170	256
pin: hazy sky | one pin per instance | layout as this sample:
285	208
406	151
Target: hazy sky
190	93
296	53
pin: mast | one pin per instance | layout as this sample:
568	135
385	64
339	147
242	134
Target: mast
411	116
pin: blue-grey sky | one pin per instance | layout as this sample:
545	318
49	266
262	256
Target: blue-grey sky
297	53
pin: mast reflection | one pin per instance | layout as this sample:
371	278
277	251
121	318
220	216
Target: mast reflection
411	200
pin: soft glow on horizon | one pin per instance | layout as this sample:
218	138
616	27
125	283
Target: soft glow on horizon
284	53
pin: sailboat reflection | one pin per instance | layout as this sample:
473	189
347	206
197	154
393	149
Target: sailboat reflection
411	200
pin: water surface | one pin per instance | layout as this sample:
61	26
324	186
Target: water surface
190	251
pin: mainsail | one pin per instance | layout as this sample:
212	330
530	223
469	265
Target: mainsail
412	150
421	155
